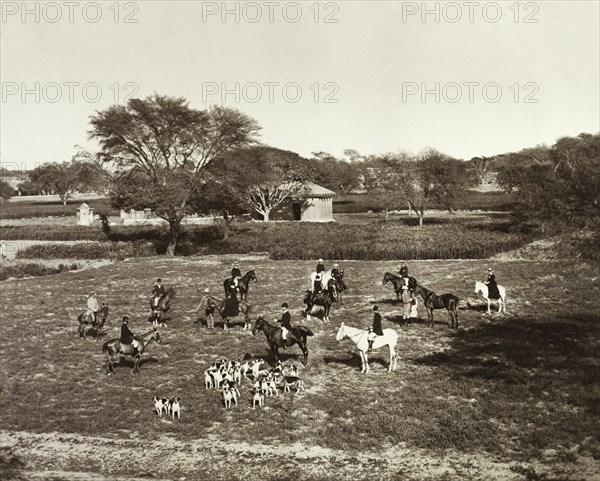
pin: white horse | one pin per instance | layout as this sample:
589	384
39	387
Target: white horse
483	288
360	338
325	276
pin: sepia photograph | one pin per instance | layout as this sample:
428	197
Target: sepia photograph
300	240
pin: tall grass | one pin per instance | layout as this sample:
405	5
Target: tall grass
447	239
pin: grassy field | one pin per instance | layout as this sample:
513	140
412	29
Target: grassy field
512	396
22	210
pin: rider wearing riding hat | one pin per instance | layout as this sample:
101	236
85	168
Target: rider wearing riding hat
403	269
285	321
209	309
320	266
375	329
92	306
236	275
335	270
158	291
493	292
127	336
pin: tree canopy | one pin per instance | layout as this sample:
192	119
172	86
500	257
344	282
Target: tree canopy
160	148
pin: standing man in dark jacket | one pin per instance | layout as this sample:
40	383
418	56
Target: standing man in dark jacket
376	329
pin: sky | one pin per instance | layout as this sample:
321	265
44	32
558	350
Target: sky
468	78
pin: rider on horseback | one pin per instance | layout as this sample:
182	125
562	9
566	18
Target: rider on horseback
320	266
403	269
375	329
92	306
158	291
335	270
493	291
127	336
285	321
236	275
317	287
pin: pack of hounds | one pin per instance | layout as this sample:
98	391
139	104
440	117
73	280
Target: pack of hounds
170	407
228	375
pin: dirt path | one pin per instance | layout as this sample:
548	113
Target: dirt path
74	457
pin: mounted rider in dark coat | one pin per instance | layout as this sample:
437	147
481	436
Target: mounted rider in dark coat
493	292
403	270
375	329
236	275
285	322
320	266
157	291
127	337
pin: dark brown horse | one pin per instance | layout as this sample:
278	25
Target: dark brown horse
296	335
324	298
340	285
433	301
243	284
397	282
164	305
87	320
231	308
115	348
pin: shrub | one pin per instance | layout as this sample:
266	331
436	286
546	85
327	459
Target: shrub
115	251
32	269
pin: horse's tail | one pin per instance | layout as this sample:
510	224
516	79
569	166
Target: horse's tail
105	347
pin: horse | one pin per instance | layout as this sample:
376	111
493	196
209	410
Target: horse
360	338
433	301
397	282
159	311
340	285
114	348
243	284
324	298
296	335
483	288
85	319
221	306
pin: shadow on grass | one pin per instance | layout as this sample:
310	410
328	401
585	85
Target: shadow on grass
509	348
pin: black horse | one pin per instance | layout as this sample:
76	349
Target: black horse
433	301
243	284
297	335
324	298
86	320
397	282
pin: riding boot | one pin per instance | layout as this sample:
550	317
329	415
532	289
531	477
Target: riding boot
136	352
370	345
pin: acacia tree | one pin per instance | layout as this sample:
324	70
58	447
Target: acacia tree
160	148
430	178
266	176
63	179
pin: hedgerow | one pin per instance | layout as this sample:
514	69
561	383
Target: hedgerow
32	269
89	250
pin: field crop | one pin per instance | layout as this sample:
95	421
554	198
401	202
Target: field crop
462	238
510	396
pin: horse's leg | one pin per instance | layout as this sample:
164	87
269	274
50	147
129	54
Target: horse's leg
136	367
488	301
366	357
304	351
362	360
500	302
392	356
